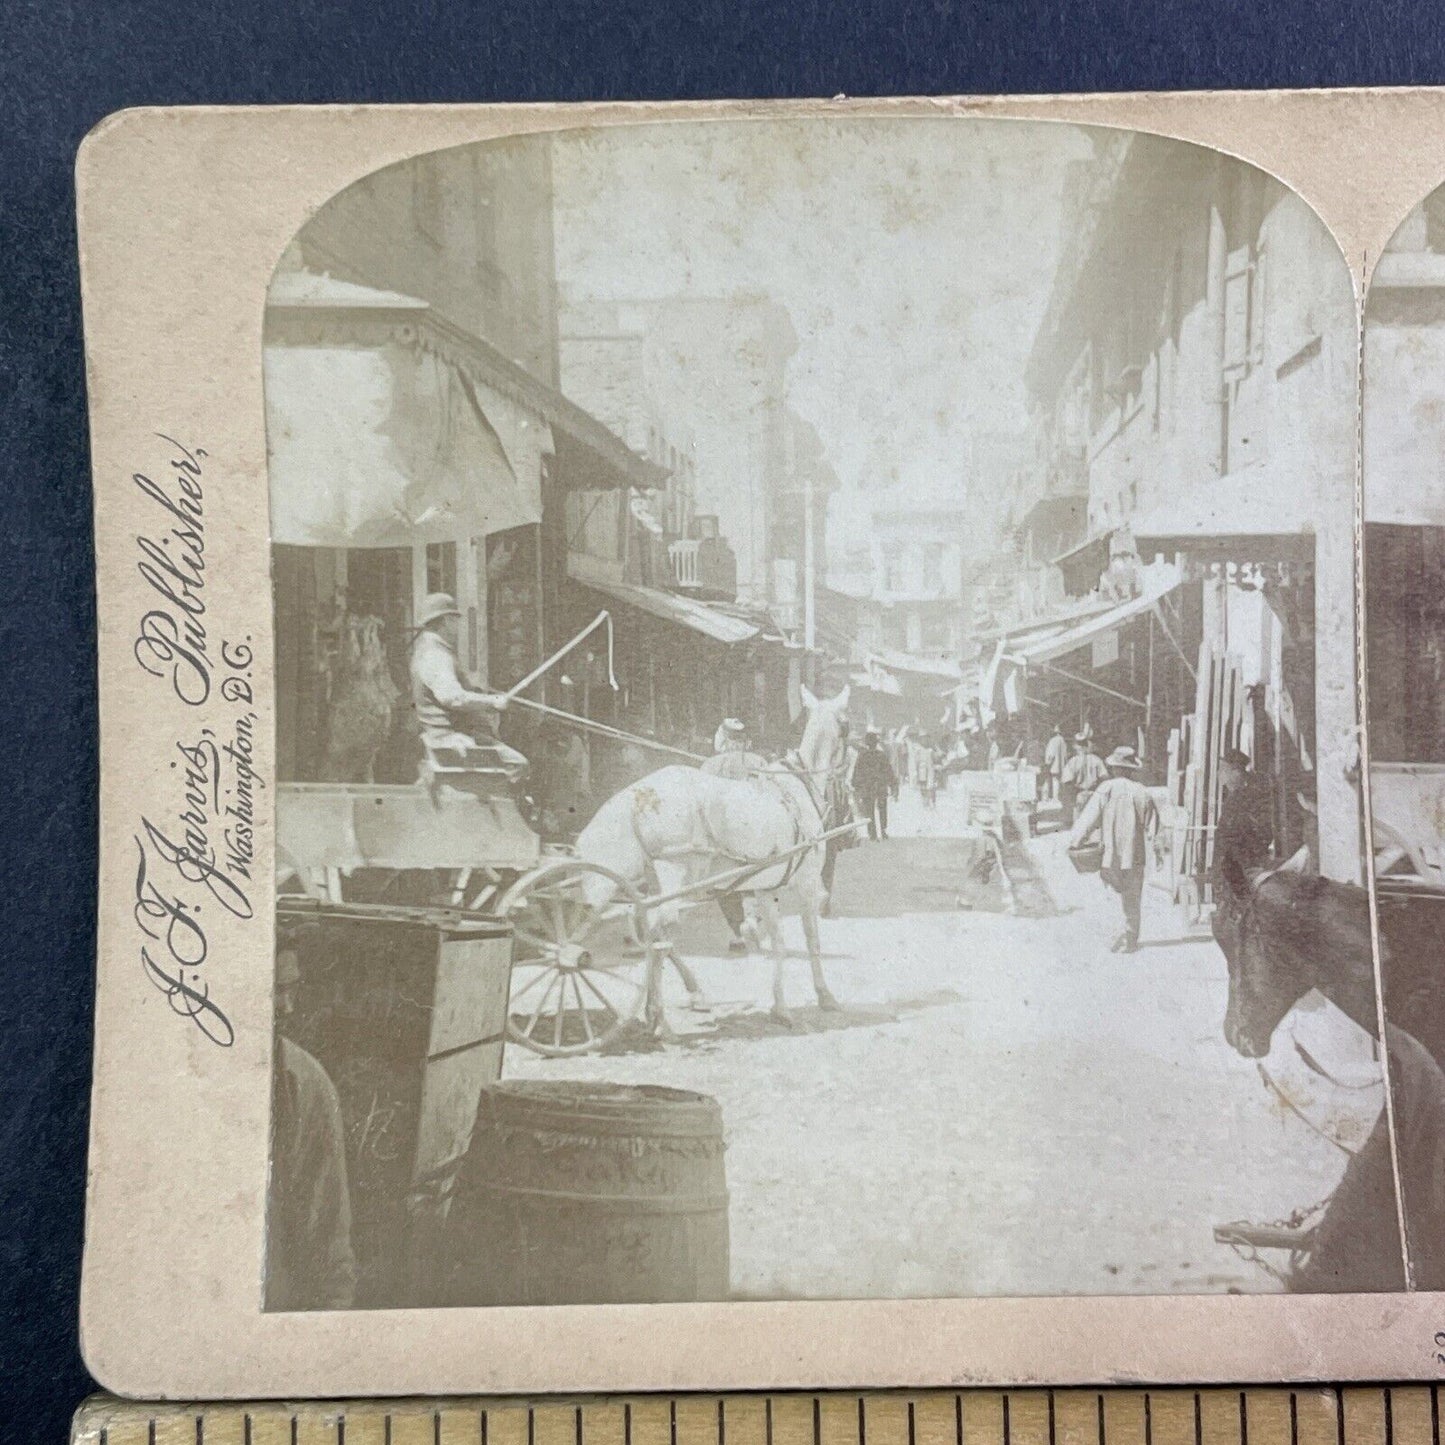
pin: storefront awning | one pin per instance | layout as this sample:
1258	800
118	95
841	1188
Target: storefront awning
877	680
305	310
1086	631
911	663
1254	502
718	625
382	446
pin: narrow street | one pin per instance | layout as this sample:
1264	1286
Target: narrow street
1002	1107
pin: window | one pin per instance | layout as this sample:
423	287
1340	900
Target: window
1244	274
441	567
936	634
895	567
933	567
895	630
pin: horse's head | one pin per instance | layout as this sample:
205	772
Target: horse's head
824	747
1293	931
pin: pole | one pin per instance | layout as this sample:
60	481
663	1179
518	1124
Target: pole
810	621
588	725
561	652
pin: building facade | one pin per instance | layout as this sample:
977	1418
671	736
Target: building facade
418	443
704	380
1404	509
1193	384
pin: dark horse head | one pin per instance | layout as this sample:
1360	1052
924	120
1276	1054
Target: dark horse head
1295	931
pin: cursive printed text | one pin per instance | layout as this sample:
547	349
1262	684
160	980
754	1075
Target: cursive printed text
172	641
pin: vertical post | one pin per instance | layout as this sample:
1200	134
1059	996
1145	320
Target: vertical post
810	634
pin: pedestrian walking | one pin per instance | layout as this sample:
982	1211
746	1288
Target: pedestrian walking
926	771
1082	774
1056	754
1121	810
873	781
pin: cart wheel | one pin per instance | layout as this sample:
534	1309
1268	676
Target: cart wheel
574	986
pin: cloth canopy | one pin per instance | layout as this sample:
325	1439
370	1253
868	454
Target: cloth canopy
673	607
383	446
1081	634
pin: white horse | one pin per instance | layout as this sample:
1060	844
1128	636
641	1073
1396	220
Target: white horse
682	826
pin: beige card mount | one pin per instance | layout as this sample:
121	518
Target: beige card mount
737	748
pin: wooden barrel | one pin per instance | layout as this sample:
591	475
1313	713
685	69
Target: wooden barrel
583	1193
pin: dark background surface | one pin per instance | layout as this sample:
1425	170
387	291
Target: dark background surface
66	63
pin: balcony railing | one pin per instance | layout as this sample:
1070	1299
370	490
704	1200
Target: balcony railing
683	555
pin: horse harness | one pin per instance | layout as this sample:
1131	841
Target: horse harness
796	851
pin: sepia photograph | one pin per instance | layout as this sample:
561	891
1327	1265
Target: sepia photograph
1403	442
817	745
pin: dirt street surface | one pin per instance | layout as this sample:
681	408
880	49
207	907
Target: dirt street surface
1002	1107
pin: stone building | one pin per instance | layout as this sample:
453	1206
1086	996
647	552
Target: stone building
704	379
1193	381
418	442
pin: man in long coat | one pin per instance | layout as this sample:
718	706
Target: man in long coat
1122	811
450	714
873	780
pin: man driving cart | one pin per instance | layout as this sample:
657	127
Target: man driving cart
451	715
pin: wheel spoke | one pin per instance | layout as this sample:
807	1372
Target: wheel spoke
541	1003
556	909
531	983
582	977
582	1008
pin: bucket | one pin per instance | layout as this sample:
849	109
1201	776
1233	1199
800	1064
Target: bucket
1087	857
587	1193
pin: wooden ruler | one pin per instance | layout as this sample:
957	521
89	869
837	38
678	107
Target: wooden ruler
1356	1415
